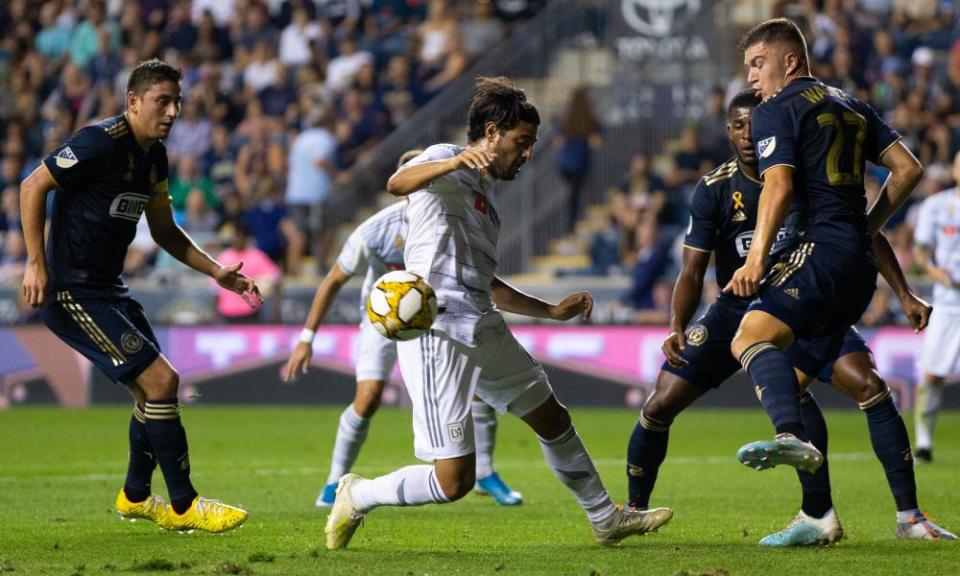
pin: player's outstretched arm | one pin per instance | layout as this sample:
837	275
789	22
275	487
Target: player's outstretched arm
905	174
169	236
509	299
917	311
687	293
772	211
299	361
33	216
412	178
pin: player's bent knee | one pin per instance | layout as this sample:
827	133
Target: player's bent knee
657	412
550	419
456	484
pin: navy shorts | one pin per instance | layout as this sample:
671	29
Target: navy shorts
113	333
816	357
708	356
817	290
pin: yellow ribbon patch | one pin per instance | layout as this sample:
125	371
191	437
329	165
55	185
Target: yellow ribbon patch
738	201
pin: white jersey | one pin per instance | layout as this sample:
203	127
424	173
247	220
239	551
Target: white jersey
938	228
452	242
375	248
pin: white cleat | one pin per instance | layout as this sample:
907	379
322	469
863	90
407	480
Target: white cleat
806	530
629	521
919	527
344	518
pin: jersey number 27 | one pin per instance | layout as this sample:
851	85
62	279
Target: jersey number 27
849	131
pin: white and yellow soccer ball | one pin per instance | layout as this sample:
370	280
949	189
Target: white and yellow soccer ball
401	305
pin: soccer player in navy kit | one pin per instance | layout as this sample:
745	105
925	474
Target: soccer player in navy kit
722	219
812	142
107	175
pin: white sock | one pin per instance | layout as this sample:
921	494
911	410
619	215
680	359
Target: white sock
485	436
929	399
571	464
408	486
906	515
351	435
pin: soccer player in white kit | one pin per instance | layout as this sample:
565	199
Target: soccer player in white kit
937	238
452	242
374	248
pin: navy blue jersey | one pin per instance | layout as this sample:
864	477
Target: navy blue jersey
827	136
723	217
105	182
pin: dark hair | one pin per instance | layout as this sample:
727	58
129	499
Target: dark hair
744	99
778	31
497	100
150	72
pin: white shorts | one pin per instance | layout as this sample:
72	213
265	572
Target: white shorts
941	343
442	375
376	355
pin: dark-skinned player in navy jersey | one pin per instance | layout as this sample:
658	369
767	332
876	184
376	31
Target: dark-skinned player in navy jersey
812	144
106	176
722	219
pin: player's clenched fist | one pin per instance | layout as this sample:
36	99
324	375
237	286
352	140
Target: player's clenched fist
579	303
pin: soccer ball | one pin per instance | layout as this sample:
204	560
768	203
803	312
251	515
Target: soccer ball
401	305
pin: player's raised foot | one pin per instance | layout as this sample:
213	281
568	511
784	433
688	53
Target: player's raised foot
919	527
628	521
327	496
207	515
344	519
496	487
783	449
806	530
153	508
923	456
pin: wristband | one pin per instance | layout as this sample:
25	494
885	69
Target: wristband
307	336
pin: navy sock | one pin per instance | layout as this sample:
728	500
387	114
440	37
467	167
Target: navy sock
776	385
645	452
142	463
888	435
169	442
816	487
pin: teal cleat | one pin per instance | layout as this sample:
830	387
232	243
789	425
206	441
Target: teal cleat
805	530
495	486
784	449
327	496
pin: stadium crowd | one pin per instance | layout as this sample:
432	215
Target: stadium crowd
281	97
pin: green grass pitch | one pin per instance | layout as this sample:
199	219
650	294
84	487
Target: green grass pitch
60	471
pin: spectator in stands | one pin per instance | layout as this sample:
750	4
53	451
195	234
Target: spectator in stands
219	162
72	95
400	92
649	263
345	66
642	188
180	33
437	36
713	127
482	30
312	163
53	40
190	135
104	66
296	38
84	43
257	265
274	230
690	160
579	136
198	219
262	70
188	177
13	259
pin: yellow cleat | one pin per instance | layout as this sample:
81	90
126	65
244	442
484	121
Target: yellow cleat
153	508
206	515
344	518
